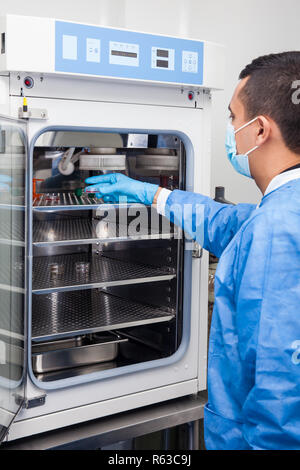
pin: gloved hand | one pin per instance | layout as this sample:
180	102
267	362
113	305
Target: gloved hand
3	180
114	185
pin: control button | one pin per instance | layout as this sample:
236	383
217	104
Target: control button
28	82
190	61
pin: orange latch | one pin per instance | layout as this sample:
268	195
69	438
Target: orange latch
34	193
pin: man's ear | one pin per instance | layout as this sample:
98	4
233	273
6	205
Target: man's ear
263	130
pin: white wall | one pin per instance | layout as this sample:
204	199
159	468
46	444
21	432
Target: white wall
248	29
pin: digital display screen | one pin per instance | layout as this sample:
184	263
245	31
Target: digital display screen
162	53
162	63
124	54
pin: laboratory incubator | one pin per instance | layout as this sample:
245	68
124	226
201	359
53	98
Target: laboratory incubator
103	307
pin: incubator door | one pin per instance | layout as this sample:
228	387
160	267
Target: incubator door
13	152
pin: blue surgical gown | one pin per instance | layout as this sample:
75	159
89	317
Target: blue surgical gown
254	348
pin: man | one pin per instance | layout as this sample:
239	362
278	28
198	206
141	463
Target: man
254	353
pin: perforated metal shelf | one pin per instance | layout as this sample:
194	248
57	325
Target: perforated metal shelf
84	231
62	232
64	199
69	201
68	314
103	272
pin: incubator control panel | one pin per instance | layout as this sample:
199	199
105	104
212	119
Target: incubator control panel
108	52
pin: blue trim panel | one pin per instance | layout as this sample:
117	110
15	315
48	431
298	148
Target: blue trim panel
83	49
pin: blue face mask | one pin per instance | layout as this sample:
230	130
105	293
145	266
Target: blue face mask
239	162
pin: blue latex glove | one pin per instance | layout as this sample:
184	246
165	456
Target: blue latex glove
112	186
3	180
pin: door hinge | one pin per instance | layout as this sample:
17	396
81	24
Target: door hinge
197	250
32	403
33	113
2	141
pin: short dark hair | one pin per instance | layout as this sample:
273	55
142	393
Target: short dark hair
269	92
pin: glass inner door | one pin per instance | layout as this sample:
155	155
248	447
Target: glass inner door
13	151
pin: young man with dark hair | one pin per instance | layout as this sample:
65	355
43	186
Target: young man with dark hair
254	353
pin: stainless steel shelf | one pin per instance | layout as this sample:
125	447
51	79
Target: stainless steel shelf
69	201
11	242
64	199
61	315
63	232
104	272
14	203
84	231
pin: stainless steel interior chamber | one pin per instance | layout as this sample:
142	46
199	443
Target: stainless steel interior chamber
106	278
